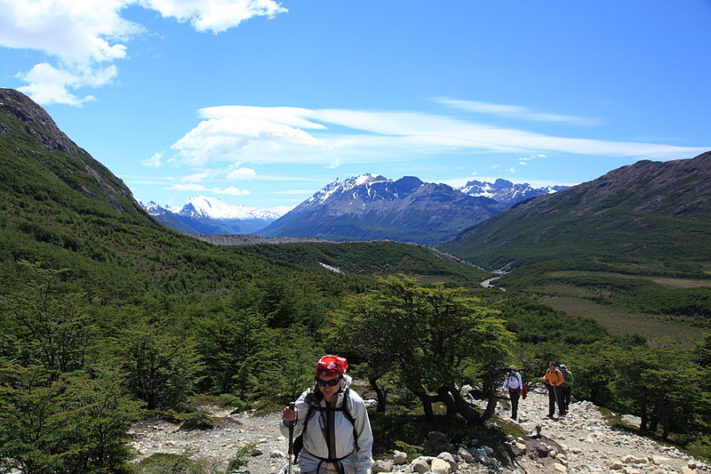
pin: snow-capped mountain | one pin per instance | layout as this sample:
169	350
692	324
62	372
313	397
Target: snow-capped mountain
369	207
505	191
206	215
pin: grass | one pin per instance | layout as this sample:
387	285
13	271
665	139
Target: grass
620	322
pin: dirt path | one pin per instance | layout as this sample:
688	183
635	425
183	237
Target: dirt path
581	442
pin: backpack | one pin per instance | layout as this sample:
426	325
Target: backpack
298	443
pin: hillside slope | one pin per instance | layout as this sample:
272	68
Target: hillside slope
647	213
61	207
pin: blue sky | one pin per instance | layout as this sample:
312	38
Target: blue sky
261	103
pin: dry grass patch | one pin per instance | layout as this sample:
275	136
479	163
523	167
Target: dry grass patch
672	282
620	322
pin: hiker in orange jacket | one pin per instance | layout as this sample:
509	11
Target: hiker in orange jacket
554	379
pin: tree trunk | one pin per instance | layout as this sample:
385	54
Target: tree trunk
444	397
426	405
464	409
382	397
490	390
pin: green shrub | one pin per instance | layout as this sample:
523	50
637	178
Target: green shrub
196	421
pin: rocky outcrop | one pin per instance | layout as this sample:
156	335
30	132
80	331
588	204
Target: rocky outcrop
36	122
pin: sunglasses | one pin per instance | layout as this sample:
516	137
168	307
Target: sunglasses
328	383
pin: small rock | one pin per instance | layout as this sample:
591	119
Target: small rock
382	466
467	456
449	459
420	465
614	464
276	454
399	458
560	468
440	466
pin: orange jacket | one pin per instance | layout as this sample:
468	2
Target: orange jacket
553	377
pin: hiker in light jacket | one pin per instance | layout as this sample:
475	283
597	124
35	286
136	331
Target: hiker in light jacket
514	383
336	436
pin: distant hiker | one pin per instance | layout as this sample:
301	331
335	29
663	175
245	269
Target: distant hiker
565	388
332	426
514	383
554	378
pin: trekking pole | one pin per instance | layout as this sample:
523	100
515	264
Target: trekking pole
291	424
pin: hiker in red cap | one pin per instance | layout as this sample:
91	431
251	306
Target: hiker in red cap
331	423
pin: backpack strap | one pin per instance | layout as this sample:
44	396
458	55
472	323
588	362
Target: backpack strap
343	408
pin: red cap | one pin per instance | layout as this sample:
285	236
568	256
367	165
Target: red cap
331	366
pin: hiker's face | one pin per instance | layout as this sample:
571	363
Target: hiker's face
328	390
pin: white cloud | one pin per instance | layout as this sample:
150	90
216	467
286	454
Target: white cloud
241	174
296	191
512	170
297	135
86	37
187	187
515	111
48	85
232	191
154	161
197	177
215	16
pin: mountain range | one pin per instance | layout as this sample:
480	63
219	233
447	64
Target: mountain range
207	215
370	207
364	207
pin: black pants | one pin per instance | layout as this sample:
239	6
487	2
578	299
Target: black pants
565	400
514	394
555	397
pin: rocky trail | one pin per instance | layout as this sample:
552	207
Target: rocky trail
581	442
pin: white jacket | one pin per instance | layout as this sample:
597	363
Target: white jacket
315	445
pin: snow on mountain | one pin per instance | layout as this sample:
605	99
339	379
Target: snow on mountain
205	215
370	207
339	186
213	208
505	191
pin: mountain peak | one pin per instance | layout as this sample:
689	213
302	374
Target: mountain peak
37	121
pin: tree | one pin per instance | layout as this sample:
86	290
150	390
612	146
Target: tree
435	337
228	342
47	322
160	369
73	424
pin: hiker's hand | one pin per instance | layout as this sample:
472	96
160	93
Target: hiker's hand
289	414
